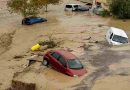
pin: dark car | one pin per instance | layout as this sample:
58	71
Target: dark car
82	8
33	20
64	62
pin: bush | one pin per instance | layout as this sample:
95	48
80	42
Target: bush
51	42
105	13
120	8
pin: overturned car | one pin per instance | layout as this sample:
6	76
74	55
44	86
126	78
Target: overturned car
116	36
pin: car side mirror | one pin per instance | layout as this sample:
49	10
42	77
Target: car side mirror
65	66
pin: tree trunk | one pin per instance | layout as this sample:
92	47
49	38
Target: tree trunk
46	7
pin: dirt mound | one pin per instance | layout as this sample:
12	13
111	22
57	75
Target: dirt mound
18	85
5	40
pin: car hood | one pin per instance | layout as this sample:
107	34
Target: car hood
78	72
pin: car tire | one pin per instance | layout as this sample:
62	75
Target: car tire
45	62
23	23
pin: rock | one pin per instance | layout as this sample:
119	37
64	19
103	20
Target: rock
42	48
18	56
93	41
87	38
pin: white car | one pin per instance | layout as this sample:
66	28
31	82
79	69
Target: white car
116	36
76	7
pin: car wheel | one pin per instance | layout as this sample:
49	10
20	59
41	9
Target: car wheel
45	62
23	23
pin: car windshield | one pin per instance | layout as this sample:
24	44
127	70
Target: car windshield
120	39
75	64
68	6
79	6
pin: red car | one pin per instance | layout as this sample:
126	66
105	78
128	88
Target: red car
64	62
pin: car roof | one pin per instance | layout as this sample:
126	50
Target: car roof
119	32
32	17
65	54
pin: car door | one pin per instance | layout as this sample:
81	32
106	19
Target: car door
54	60
75	8
62	64
27	21
34	20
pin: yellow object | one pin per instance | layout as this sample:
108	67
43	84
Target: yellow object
36	47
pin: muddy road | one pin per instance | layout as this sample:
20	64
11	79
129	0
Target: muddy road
74	30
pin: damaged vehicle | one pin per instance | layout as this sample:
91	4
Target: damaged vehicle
33	20
116	36
64	62
76	7
98	10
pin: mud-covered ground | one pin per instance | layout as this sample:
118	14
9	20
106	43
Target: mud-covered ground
81	33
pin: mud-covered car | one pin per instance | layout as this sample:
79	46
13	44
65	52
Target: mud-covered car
76	7
64	62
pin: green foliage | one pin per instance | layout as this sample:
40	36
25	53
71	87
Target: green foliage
51	2
51	42
105	13
120	8
28	7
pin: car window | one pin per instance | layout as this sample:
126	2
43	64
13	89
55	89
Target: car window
55	55
62	61
68	6
27	19
75	6
120	39
75	64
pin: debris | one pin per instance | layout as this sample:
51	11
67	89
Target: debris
0	84
69	50
18	56
35	58
5	40
36	47
100	25
88	38
92	41
43	47
86	47
18	85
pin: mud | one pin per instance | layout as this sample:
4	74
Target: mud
107	62
18	85
81	33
